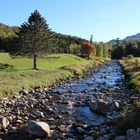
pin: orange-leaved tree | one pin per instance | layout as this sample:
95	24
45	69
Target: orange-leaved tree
88	49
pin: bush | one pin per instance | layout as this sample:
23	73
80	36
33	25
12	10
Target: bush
130	56
131	120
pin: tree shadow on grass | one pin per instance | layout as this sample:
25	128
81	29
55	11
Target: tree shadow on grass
10	68
6	67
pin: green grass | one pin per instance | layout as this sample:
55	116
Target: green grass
17	73
131	119
132	68
50	62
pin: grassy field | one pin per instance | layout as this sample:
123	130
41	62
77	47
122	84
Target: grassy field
51	62
132	68
17	73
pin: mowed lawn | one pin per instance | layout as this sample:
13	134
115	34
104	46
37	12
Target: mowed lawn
17	73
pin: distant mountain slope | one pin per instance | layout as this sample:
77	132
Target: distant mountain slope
112	42
132	38
127	39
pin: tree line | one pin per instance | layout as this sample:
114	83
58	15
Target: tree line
35	34
35	37
124	49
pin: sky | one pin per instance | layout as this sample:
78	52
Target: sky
104	19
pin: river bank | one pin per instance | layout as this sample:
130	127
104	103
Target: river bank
16	73
70	110
131	68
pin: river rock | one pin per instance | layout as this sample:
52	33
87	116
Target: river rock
114	106
24	92
120	138
99	106
138	130
89	138
103	138
135	137
130	132
39	129
3	122
80	130
103	131
38	114
103	107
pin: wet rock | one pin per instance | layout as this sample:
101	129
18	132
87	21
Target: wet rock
103	107
120	138
99	106
114	106
130	132
49	110
94	133
103	138
89	138
39	129
80	130
103	131
38	114
138	130
4	122
135	137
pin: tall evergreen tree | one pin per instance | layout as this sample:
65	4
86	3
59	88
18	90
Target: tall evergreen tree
34	35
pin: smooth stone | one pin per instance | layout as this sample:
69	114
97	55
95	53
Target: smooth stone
3	122
38	114
39	129
24	92
103	107
135	137
138	130
102	138
103	131
80	130
130	132
89	138
120	138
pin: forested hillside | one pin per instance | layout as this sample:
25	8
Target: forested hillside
57	42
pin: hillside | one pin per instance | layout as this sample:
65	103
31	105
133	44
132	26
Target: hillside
131	38
7	31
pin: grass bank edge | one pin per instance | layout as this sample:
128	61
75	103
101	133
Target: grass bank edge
131	68
29	80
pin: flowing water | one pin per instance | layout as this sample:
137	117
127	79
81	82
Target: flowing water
107	79
67	106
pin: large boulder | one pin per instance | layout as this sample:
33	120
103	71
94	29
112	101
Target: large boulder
103	107
38	129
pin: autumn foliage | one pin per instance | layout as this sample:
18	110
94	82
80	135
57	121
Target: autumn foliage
88	49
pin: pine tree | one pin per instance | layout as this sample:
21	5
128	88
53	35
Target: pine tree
34	35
